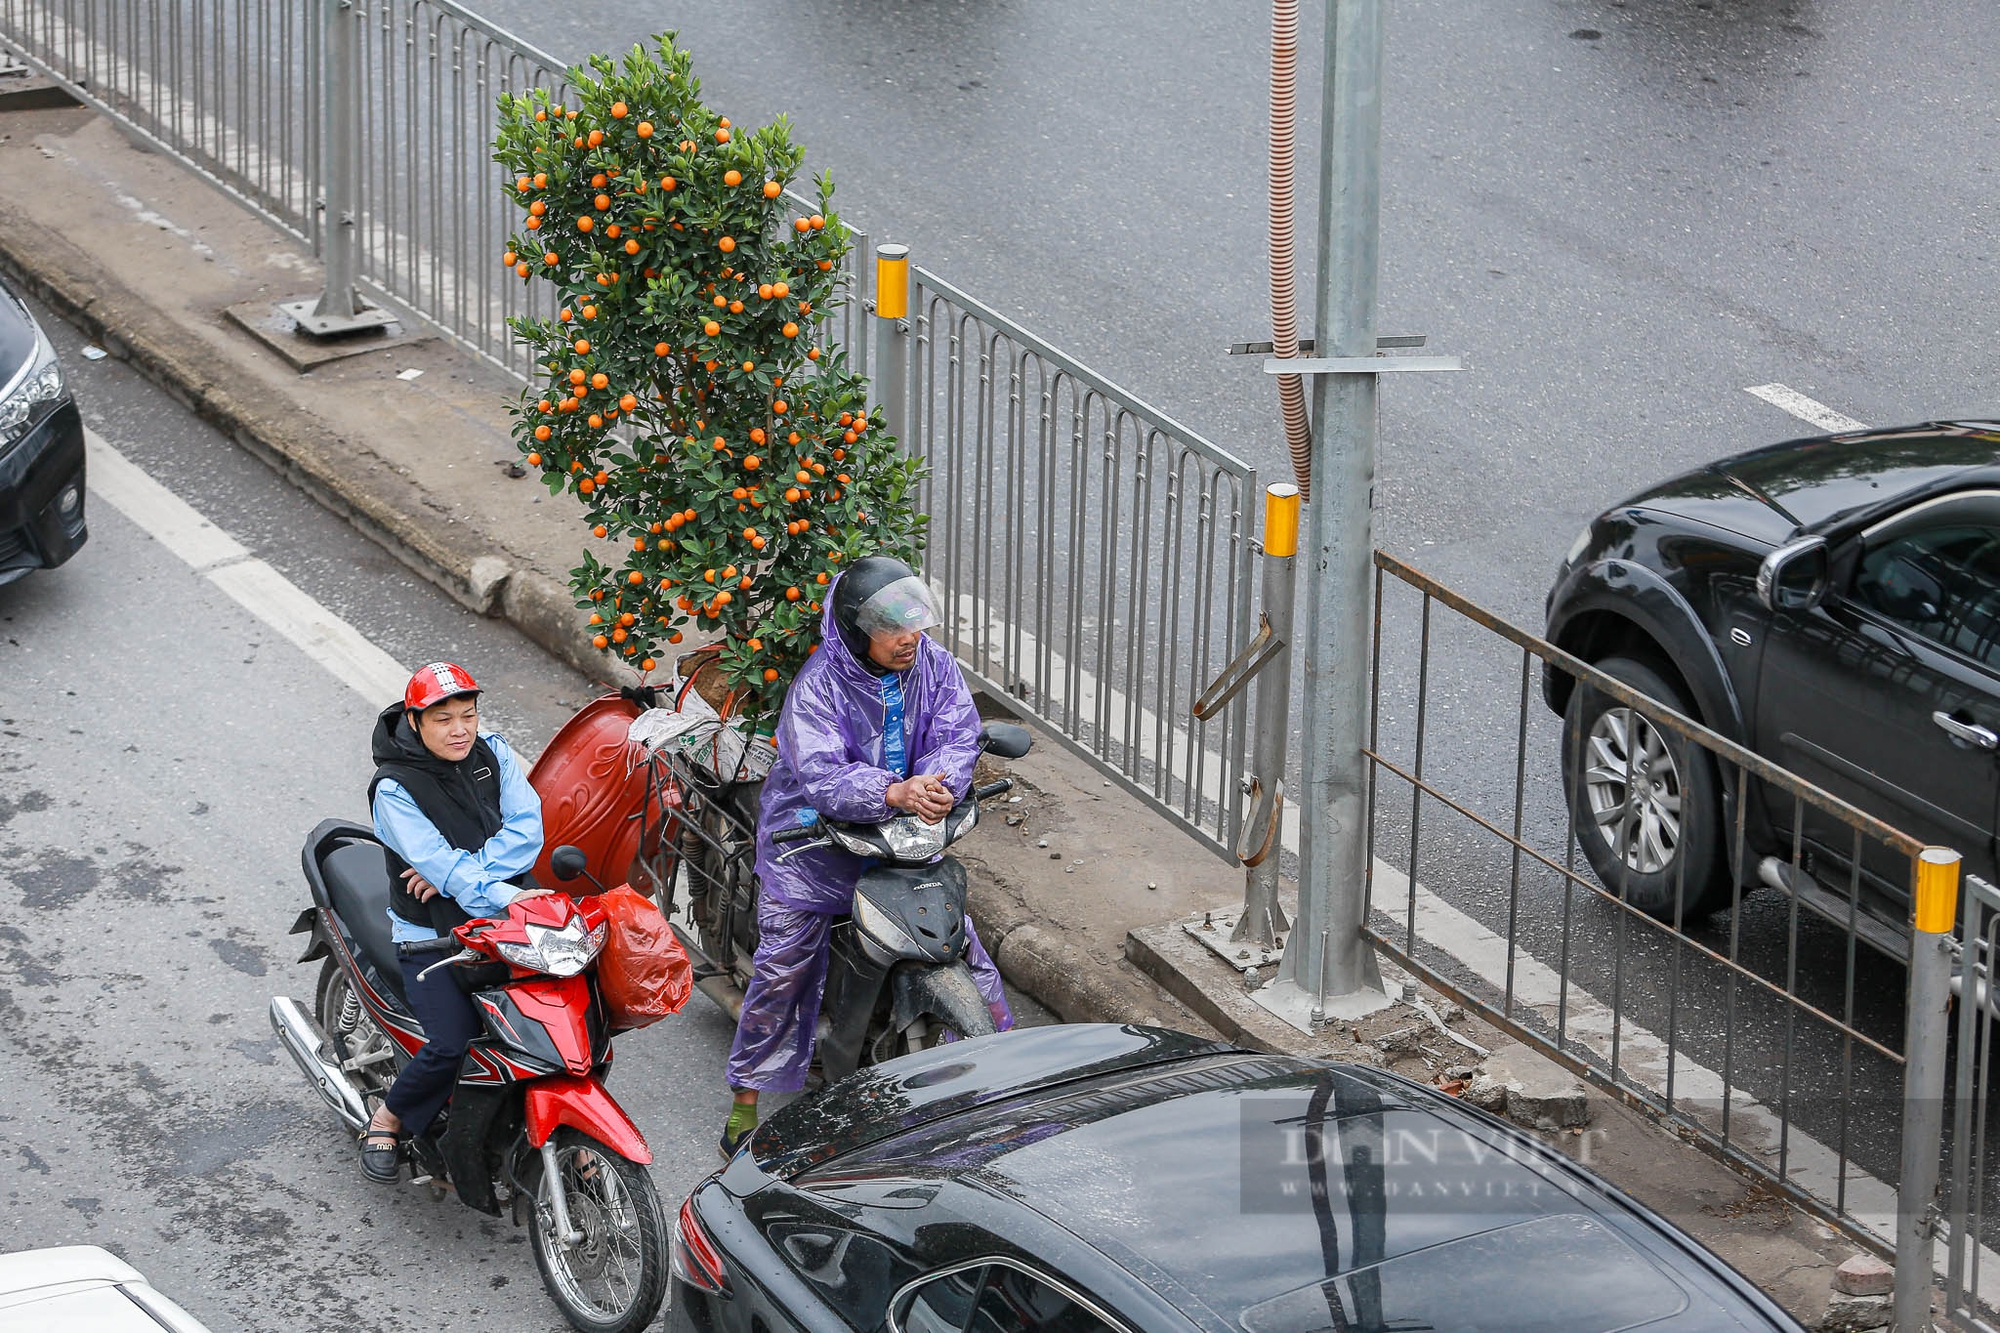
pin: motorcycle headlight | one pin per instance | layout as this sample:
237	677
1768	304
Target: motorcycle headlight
879	926
911	839
559	951
30	394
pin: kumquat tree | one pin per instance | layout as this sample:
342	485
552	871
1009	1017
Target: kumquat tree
686	399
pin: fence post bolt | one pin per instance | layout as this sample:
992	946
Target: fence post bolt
892	340
340	310
1263	921
1923	1084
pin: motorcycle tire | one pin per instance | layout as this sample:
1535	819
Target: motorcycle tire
624	1247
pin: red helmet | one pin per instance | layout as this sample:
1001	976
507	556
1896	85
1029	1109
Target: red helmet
436	683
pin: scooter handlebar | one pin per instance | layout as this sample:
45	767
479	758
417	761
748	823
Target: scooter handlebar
799	834
993	789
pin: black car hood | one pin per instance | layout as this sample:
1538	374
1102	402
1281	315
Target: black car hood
1770	494
17	337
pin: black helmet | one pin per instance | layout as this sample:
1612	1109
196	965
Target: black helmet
879	594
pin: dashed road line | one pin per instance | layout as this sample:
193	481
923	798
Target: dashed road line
229	565
1805	409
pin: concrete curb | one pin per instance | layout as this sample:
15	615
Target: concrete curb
344	475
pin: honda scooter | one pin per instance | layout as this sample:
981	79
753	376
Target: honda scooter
530	1125
897	980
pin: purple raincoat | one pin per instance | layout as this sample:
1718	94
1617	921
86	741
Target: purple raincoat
830	759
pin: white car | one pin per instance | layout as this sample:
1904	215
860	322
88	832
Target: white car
83	1289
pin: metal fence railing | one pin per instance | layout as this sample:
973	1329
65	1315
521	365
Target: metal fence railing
1095	555
1538	868
431	222
1971	1195
229	89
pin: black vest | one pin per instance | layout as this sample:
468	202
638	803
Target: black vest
462	801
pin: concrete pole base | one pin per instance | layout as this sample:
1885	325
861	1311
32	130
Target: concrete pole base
1295	1004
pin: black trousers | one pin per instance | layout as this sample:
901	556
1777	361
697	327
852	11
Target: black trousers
450	1023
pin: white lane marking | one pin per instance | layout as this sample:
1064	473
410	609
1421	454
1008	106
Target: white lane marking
1805	409
225	562
170	520
321	635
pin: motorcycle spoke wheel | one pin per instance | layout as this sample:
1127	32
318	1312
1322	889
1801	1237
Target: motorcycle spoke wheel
362	1048
614	1278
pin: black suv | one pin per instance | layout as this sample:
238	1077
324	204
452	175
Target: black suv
1831	603
41	450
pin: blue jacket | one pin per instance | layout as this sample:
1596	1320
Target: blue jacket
476	881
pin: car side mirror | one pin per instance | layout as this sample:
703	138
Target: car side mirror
1007	739
1794	577
568	862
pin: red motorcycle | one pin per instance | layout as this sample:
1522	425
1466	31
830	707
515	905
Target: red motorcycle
530	1125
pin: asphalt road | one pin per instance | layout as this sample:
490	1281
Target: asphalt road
165	752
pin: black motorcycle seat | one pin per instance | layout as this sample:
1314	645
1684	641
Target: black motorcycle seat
357	882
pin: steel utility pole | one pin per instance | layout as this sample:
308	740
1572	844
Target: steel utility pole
1328	966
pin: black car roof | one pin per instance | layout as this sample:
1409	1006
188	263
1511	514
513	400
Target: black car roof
1194	1178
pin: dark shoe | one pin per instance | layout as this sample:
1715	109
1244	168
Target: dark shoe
381	1155
731	1144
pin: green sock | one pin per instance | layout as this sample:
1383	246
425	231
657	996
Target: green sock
742	1119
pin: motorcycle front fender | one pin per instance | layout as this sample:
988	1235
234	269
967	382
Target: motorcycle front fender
585	1106
946	992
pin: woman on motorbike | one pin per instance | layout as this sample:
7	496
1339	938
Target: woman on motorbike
878	721
463	827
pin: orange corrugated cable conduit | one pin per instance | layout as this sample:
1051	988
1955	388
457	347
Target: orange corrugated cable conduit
1284	308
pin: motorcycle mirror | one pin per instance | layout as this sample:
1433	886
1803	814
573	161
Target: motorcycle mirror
1007	739
568	862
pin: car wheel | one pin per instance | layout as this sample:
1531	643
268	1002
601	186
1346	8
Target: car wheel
1645	804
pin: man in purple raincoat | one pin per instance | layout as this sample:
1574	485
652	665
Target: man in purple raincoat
878	721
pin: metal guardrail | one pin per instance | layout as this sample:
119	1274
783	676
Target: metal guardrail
1972	1176
1766	1041
229	90
1094	554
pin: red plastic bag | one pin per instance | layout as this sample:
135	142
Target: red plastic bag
643	974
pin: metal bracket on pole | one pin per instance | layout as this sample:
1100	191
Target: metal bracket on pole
1242	669
1383	343
1356	365
1260	826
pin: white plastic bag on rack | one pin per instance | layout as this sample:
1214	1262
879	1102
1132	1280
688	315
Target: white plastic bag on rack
688	730
728	751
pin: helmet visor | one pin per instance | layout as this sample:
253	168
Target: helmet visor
900	608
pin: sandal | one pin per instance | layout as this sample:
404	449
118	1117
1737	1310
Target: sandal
381	1164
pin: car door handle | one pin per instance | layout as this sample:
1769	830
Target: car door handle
1969	732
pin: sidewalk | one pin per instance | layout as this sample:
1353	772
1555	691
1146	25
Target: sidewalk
146	257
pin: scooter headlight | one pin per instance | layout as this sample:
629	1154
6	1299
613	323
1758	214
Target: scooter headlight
911	839
880	927
559	951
